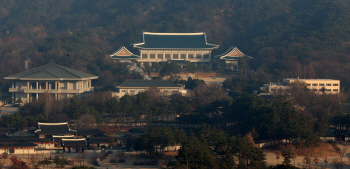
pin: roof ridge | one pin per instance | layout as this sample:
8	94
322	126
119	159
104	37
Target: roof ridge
64	68
157	33
51	73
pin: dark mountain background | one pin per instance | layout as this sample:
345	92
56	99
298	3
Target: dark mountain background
287	38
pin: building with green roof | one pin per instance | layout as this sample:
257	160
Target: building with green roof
133	87
124	55
60	81
161	47
230	58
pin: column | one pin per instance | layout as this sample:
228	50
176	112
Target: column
37	95
186	54
67	85
47	85
13	84
156	55
141	54
76	85
37	86
163	55
171	55
27	85
28	99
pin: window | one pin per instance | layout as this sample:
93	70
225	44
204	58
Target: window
328	90
335	90
124	90
175	56
167	56
198	56
160	56
152	56
335	84
183	56
314	84
132	91
190	56
206	56
321	84
144	56
309	84
328	84
315	90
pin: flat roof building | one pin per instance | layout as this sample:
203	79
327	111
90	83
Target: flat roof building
328	86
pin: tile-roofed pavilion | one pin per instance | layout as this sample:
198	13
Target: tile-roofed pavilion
175	41
78	144
124	55
161	47
49	129
231	56
88	132
52	78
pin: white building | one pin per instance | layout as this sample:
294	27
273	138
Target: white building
133	87
328	86
60	81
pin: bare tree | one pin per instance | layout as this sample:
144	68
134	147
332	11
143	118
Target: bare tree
86	121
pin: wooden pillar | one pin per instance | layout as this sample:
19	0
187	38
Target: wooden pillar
47	85
27	85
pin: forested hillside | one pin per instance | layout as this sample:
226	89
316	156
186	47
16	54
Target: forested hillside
287	38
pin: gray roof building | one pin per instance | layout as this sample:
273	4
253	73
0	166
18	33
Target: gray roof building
132	87
60	81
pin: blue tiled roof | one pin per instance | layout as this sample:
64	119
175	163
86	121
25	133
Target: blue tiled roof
175	41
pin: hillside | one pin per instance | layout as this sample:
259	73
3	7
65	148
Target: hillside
287	38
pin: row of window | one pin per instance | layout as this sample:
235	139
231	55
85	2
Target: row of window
175	56
327	90
322	84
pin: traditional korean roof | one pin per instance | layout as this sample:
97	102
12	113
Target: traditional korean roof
174	41
54	128
136	131
88	131
52	71
147	83
56	138
123	53
98	140
74	142
233	53
14	140
17	142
